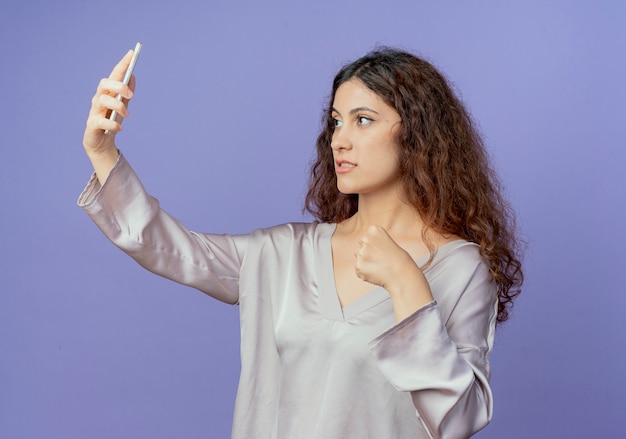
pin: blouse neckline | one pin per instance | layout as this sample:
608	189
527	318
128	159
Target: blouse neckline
330	305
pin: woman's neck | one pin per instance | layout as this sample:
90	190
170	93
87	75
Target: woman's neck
392	213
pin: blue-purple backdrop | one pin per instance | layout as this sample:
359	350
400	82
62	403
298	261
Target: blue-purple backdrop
221	130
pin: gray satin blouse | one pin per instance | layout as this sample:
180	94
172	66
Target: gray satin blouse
310	368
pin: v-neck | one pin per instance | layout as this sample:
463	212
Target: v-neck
330	306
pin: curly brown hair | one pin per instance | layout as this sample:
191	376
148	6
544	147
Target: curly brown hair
445	169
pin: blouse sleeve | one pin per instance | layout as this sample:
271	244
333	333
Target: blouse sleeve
441	355
134	222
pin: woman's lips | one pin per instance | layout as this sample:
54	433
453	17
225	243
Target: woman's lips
342	167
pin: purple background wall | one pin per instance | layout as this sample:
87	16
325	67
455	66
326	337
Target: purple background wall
221	131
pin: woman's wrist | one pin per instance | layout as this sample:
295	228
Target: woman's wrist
103	162
409	292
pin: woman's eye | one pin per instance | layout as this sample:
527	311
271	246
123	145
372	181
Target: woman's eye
362	120
337	123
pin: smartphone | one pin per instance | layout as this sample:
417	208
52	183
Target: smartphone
129	72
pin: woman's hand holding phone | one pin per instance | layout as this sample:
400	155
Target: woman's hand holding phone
108	106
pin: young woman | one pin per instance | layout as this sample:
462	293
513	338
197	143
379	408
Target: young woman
378	320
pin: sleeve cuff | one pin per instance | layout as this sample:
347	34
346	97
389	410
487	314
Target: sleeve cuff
417	352
93	188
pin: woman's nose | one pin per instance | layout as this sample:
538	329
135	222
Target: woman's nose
340	139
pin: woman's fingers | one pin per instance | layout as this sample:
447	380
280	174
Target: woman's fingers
379	259
113	87
106	98
99	124
109	103
111	95
120	68
102	104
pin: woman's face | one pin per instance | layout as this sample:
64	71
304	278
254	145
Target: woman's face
364	142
